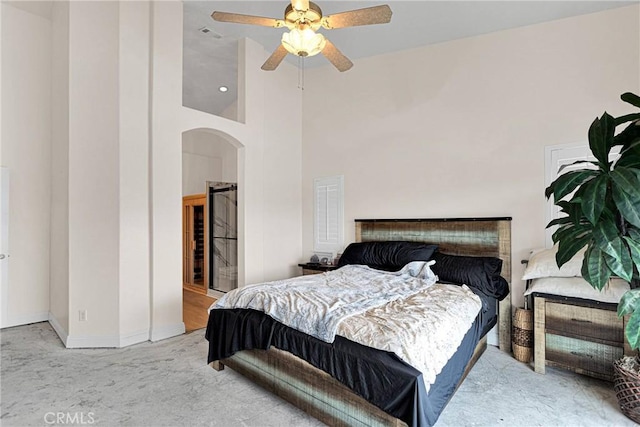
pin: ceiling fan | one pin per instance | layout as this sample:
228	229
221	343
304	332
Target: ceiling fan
303	18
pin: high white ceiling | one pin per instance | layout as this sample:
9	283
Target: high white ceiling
212	57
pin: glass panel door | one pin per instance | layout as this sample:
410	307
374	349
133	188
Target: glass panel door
223	237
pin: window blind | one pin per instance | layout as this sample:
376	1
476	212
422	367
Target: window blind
328	214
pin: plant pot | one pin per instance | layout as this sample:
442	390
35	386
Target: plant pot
626	376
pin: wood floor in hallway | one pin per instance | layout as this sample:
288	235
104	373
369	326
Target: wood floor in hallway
194	309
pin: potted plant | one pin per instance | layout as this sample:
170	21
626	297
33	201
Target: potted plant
603	214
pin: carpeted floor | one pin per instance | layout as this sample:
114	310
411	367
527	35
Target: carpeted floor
168	383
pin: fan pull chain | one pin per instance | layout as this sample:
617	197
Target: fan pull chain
301	72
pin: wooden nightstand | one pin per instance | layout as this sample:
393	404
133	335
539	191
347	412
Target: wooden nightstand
309	268
580	335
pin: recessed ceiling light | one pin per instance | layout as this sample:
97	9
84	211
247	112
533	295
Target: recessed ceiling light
223	88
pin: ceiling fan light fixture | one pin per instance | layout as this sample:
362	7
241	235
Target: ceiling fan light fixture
303	42
303	18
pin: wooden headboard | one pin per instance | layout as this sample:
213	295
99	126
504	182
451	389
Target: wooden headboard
457	236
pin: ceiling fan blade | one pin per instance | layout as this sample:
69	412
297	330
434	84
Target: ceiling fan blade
367	16
300	4
341	62
247	19
275	59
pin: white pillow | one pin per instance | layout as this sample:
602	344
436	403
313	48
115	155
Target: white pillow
420	269
577	287
542	263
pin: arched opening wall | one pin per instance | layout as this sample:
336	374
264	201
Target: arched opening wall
210	155
117	188
269	143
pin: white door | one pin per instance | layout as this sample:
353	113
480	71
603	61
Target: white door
4	246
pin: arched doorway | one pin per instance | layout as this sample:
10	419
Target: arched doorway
211	228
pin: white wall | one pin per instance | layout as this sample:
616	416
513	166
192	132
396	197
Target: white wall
59	271
166	185
116	176
282	175
206	157
94	199
197	170
459	128
26	151
100	204
268	168
134	145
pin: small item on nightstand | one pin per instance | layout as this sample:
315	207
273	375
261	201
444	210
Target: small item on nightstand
314	259
316	268
522	334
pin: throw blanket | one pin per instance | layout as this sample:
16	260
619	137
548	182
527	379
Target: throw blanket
424	329
316	304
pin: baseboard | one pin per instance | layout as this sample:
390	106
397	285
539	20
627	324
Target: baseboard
134	337
93	341
26	319
167	331
57	327
98	342
106	341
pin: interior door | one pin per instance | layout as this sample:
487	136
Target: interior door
4	246
193	244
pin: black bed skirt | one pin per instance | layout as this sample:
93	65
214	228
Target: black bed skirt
378	376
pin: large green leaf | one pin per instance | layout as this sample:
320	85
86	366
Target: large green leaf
631	98
594	268
578	162
601	138
634	233
606	237
593	198
634	250
630	134
632	330
573	209
559	221
570	241
622	265
627	118
626	193
630	156
568	182
571	231
629	302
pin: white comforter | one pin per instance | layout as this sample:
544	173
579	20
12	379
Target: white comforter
316	304
404	312
424	330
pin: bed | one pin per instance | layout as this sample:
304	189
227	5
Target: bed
344	383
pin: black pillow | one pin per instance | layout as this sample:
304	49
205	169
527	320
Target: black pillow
389	256
481	273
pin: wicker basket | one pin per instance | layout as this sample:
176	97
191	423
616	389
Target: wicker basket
627	386
522	334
